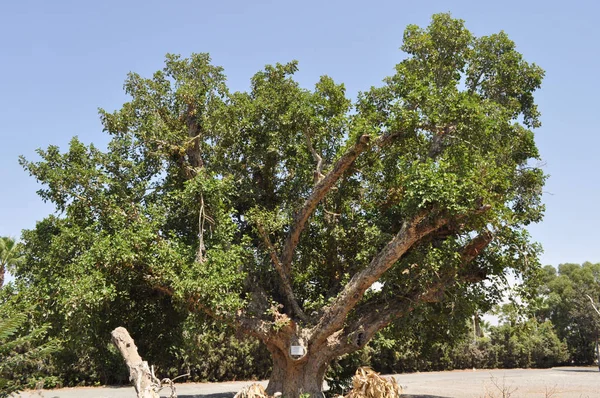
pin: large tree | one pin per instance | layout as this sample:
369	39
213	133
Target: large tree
298	216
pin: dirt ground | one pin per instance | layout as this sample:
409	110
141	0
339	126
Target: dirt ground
563	382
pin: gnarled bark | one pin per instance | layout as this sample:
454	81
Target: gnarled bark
293	377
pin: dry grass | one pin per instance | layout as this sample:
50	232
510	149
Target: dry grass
367	383
252	391
499	389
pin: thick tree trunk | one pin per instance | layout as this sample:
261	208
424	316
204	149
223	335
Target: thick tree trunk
139	371
293	378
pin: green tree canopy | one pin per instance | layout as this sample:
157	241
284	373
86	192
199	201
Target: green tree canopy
565	300
276	210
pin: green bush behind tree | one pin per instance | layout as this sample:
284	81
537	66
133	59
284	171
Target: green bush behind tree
525	337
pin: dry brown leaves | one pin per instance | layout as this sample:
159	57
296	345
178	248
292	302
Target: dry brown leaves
367	383
252	391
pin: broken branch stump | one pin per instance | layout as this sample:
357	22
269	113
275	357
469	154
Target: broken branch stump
145	383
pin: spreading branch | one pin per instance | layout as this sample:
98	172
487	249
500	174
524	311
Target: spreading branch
286	285
476	246
319	192
374	316
248	324
410	233
322	187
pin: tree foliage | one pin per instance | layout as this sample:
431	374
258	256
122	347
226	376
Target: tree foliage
563	299
24	347
277	209
10	256
523	341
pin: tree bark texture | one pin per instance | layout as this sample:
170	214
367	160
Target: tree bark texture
294	377
139	372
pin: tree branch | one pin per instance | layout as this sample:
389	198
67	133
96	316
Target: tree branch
476	245
286	285
323	186
410	233
320	190
376	315
270	332
260	328
319	167
593	304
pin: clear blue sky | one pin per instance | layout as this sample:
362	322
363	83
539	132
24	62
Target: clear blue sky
61	60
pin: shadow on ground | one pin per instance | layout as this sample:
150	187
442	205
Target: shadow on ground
231	394
422	396
590	370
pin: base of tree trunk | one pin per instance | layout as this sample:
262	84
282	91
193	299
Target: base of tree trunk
295	378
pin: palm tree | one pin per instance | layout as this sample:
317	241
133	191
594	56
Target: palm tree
10	255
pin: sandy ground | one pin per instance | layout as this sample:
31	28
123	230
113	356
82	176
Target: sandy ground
515	383
564	382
